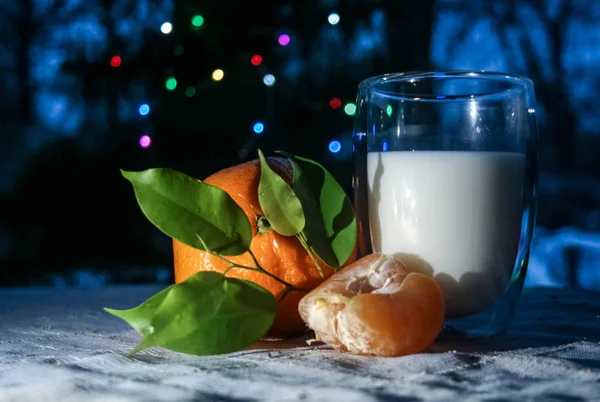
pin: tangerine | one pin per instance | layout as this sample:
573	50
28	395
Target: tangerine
283	257
376	307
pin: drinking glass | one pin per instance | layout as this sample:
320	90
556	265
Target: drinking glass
445	172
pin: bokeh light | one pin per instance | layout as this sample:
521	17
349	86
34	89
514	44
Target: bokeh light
256	60
259	127
269	80
144	109
335	103
178	50
218	74
350	109
197	21
284	39
335	146
389	110
171	83
190	91
333	18
115	61
166	28
145	141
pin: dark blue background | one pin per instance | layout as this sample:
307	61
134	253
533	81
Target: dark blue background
70	121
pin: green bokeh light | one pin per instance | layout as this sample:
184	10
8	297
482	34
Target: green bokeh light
389	110
350	109
171	83
190	91
197	21
178	51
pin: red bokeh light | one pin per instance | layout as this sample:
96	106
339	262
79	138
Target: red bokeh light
335	103
115	61
256	60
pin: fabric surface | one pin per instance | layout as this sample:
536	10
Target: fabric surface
58	345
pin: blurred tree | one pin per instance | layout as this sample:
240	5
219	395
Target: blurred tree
554	43
24	21
67	130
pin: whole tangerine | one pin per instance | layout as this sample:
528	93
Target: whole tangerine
283	257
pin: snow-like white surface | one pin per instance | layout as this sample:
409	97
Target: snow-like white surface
58	345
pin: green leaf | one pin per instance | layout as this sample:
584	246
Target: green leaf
140	317
330	229
204	315
278	201
188	210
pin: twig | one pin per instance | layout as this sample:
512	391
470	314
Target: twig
257	267
304	243
262	270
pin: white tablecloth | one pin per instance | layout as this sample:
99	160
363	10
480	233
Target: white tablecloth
58	345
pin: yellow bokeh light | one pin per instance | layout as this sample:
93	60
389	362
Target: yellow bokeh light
218	74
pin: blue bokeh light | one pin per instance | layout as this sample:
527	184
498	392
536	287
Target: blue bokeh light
144	109
335	146
259	127
333	18
269	80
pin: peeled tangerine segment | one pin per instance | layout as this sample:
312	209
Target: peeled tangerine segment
375	307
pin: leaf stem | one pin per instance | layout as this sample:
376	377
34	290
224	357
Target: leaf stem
220	257
256	264
203	243
304	243
278	279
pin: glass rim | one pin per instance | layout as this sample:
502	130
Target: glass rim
516	82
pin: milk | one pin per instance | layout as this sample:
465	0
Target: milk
456	215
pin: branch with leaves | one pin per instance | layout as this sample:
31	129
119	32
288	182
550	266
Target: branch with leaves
211	313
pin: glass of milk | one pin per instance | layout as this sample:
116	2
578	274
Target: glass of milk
444	179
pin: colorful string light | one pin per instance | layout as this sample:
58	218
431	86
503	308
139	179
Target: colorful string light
284	39
335	103
218	74
144	109
269	80
335	146
115	61
197	21
350	109
256	60
333	18
166	28
259	127
145	141
171	83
